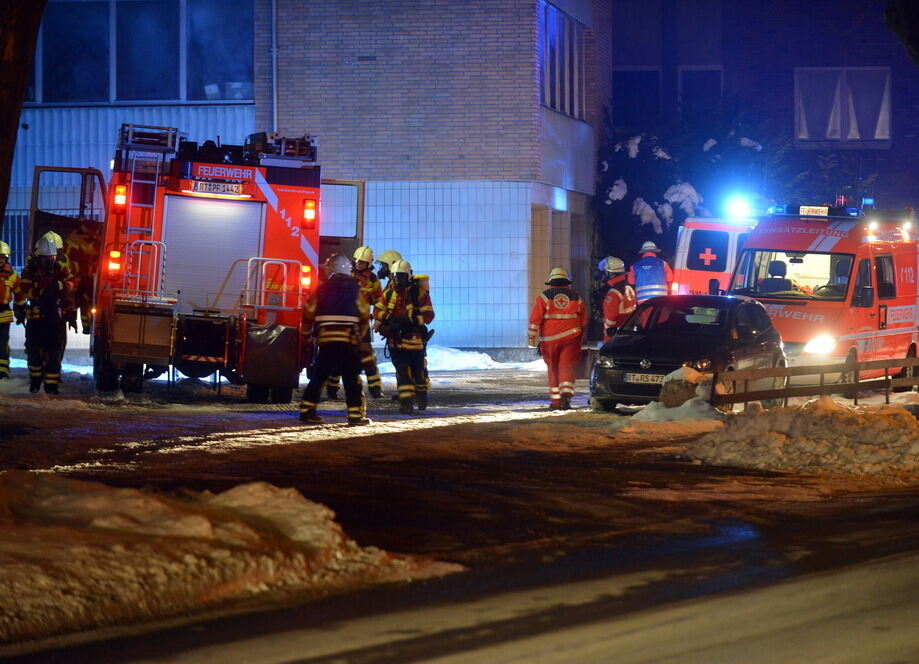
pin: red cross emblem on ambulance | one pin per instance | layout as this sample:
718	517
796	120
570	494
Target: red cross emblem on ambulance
707	256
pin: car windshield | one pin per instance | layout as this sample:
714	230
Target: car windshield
792	275
669	317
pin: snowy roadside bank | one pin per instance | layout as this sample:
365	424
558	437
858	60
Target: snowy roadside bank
78	556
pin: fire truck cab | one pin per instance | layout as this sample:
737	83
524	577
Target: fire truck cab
205	255
706	249
839	285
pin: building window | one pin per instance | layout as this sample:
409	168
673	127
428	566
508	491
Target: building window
152	51
842	105
700	89
74	50
636	97
562	63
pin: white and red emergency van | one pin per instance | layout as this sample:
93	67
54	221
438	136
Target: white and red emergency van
206	255
838	284
706	249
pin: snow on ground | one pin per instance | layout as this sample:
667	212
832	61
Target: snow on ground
441	358
821	436
80	555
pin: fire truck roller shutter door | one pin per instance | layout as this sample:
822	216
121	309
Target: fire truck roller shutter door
204	240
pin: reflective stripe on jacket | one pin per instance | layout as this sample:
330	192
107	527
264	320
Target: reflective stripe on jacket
558	313
651	276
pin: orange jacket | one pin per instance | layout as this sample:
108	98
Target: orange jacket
559	313
619	302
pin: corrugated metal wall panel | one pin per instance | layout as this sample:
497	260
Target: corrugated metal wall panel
86	136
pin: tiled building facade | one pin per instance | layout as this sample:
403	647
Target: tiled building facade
443	108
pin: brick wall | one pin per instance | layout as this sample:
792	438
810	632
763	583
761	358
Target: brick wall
416	89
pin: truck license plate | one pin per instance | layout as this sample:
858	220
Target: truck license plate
644	378
226	188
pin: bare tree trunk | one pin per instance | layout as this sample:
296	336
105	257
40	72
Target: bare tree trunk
19	23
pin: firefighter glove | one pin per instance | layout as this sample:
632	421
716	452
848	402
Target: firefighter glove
532	341
539	350
400	323
72	324
19	311
610	331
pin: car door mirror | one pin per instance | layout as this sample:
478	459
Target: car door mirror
864	297
714	287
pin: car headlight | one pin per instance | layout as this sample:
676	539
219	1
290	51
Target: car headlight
606	362
699	365
822	344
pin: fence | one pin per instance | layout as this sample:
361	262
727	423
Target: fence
905	374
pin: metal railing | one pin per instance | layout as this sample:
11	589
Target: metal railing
266	294
896	373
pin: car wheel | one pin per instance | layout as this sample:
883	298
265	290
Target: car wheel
257	393
848	374
601	405
908	372
281	394
727	387
778	383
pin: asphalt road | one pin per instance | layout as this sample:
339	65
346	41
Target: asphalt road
568	560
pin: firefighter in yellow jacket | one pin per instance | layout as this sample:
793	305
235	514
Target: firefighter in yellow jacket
9	279
401	315
82	251
371	289
339	317
40	302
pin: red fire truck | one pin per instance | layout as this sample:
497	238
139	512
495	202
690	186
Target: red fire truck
838	283
205	255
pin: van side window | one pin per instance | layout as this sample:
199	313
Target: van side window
708	250
862	279
741	241
883	269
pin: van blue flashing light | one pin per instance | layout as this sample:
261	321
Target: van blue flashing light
738	207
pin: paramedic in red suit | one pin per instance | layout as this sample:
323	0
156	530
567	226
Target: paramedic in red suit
557	324
620	299
651	275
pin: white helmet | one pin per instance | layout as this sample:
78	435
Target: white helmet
45	246
401	267
4	249
337	264
363	254
650	246
612	265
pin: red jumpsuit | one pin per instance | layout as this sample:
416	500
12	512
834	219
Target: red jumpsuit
619	302
557	324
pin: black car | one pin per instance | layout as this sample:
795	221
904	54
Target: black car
706	332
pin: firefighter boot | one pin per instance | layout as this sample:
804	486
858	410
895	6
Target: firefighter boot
51	388
406	407
358	421
566	402
34	384
376	392
309	416
331	393
421	398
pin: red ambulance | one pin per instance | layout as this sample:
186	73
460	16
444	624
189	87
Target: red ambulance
838	284
706	249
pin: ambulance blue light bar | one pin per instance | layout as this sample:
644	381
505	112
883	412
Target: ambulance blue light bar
815	211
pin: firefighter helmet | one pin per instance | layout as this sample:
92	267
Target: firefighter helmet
389	257
338	264
363	254
54	237
401	267
45	246
650	246
4	249
559	273
612	265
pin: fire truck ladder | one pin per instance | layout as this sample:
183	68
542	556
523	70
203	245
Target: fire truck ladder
146	148
143	280
257	295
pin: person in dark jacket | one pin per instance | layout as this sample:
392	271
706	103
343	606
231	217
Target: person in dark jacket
339	317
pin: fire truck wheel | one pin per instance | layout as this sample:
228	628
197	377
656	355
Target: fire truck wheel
778	383
281	394
257	393
105	375
601	405
727	387
908	372
132	379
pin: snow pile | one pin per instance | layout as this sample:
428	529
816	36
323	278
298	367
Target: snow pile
820	436
441	358
78	555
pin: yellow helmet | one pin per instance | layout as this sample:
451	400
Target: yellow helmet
612	265
559	273
389	257
4	249
53	237
363	254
